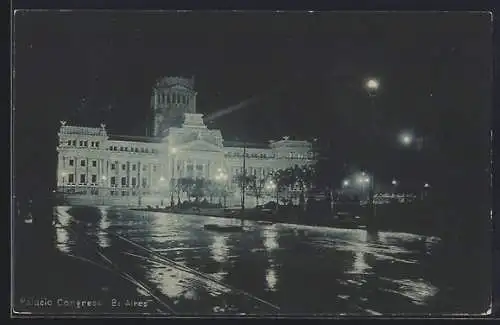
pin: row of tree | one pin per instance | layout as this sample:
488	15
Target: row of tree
283	184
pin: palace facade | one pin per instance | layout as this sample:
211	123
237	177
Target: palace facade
95	167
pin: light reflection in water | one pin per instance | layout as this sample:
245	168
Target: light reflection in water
219	249
62	236
104	224
360	266
171	282
270	239
271	243
271	278
176	283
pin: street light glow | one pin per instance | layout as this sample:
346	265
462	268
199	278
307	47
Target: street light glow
426	185
162	179
270	185
406	138
346	182
394	182
173	150
372	84
103	177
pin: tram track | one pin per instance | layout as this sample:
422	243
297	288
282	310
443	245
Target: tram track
155	257
113	267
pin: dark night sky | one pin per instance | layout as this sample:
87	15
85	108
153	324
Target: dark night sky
307	69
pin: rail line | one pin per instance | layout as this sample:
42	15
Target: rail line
193	271
113	267
157	258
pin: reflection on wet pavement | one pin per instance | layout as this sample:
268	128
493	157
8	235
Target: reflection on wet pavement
301	269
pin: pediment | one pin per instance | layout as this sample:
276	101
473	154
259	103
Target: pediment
199	145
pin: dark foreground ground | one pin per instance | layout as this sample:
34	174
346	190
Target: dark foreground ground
179	268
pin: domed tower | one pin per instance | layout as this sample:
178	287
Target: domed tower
171	98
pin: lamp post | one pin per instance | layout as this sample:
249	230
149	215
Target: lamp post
372	86
271	187
394	185
103	181
173	151
425	191
363	180
221	178
244	180
162	180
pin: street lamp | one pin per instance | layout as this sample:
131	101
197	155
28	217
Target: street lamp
406	138
222	178
173	151
372	85
345	183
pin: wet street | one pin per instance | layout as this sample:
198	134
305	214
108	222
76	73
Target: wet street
175	266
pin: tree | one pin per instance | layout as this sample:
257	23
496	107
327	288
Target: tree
256	186
280	178
243	181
